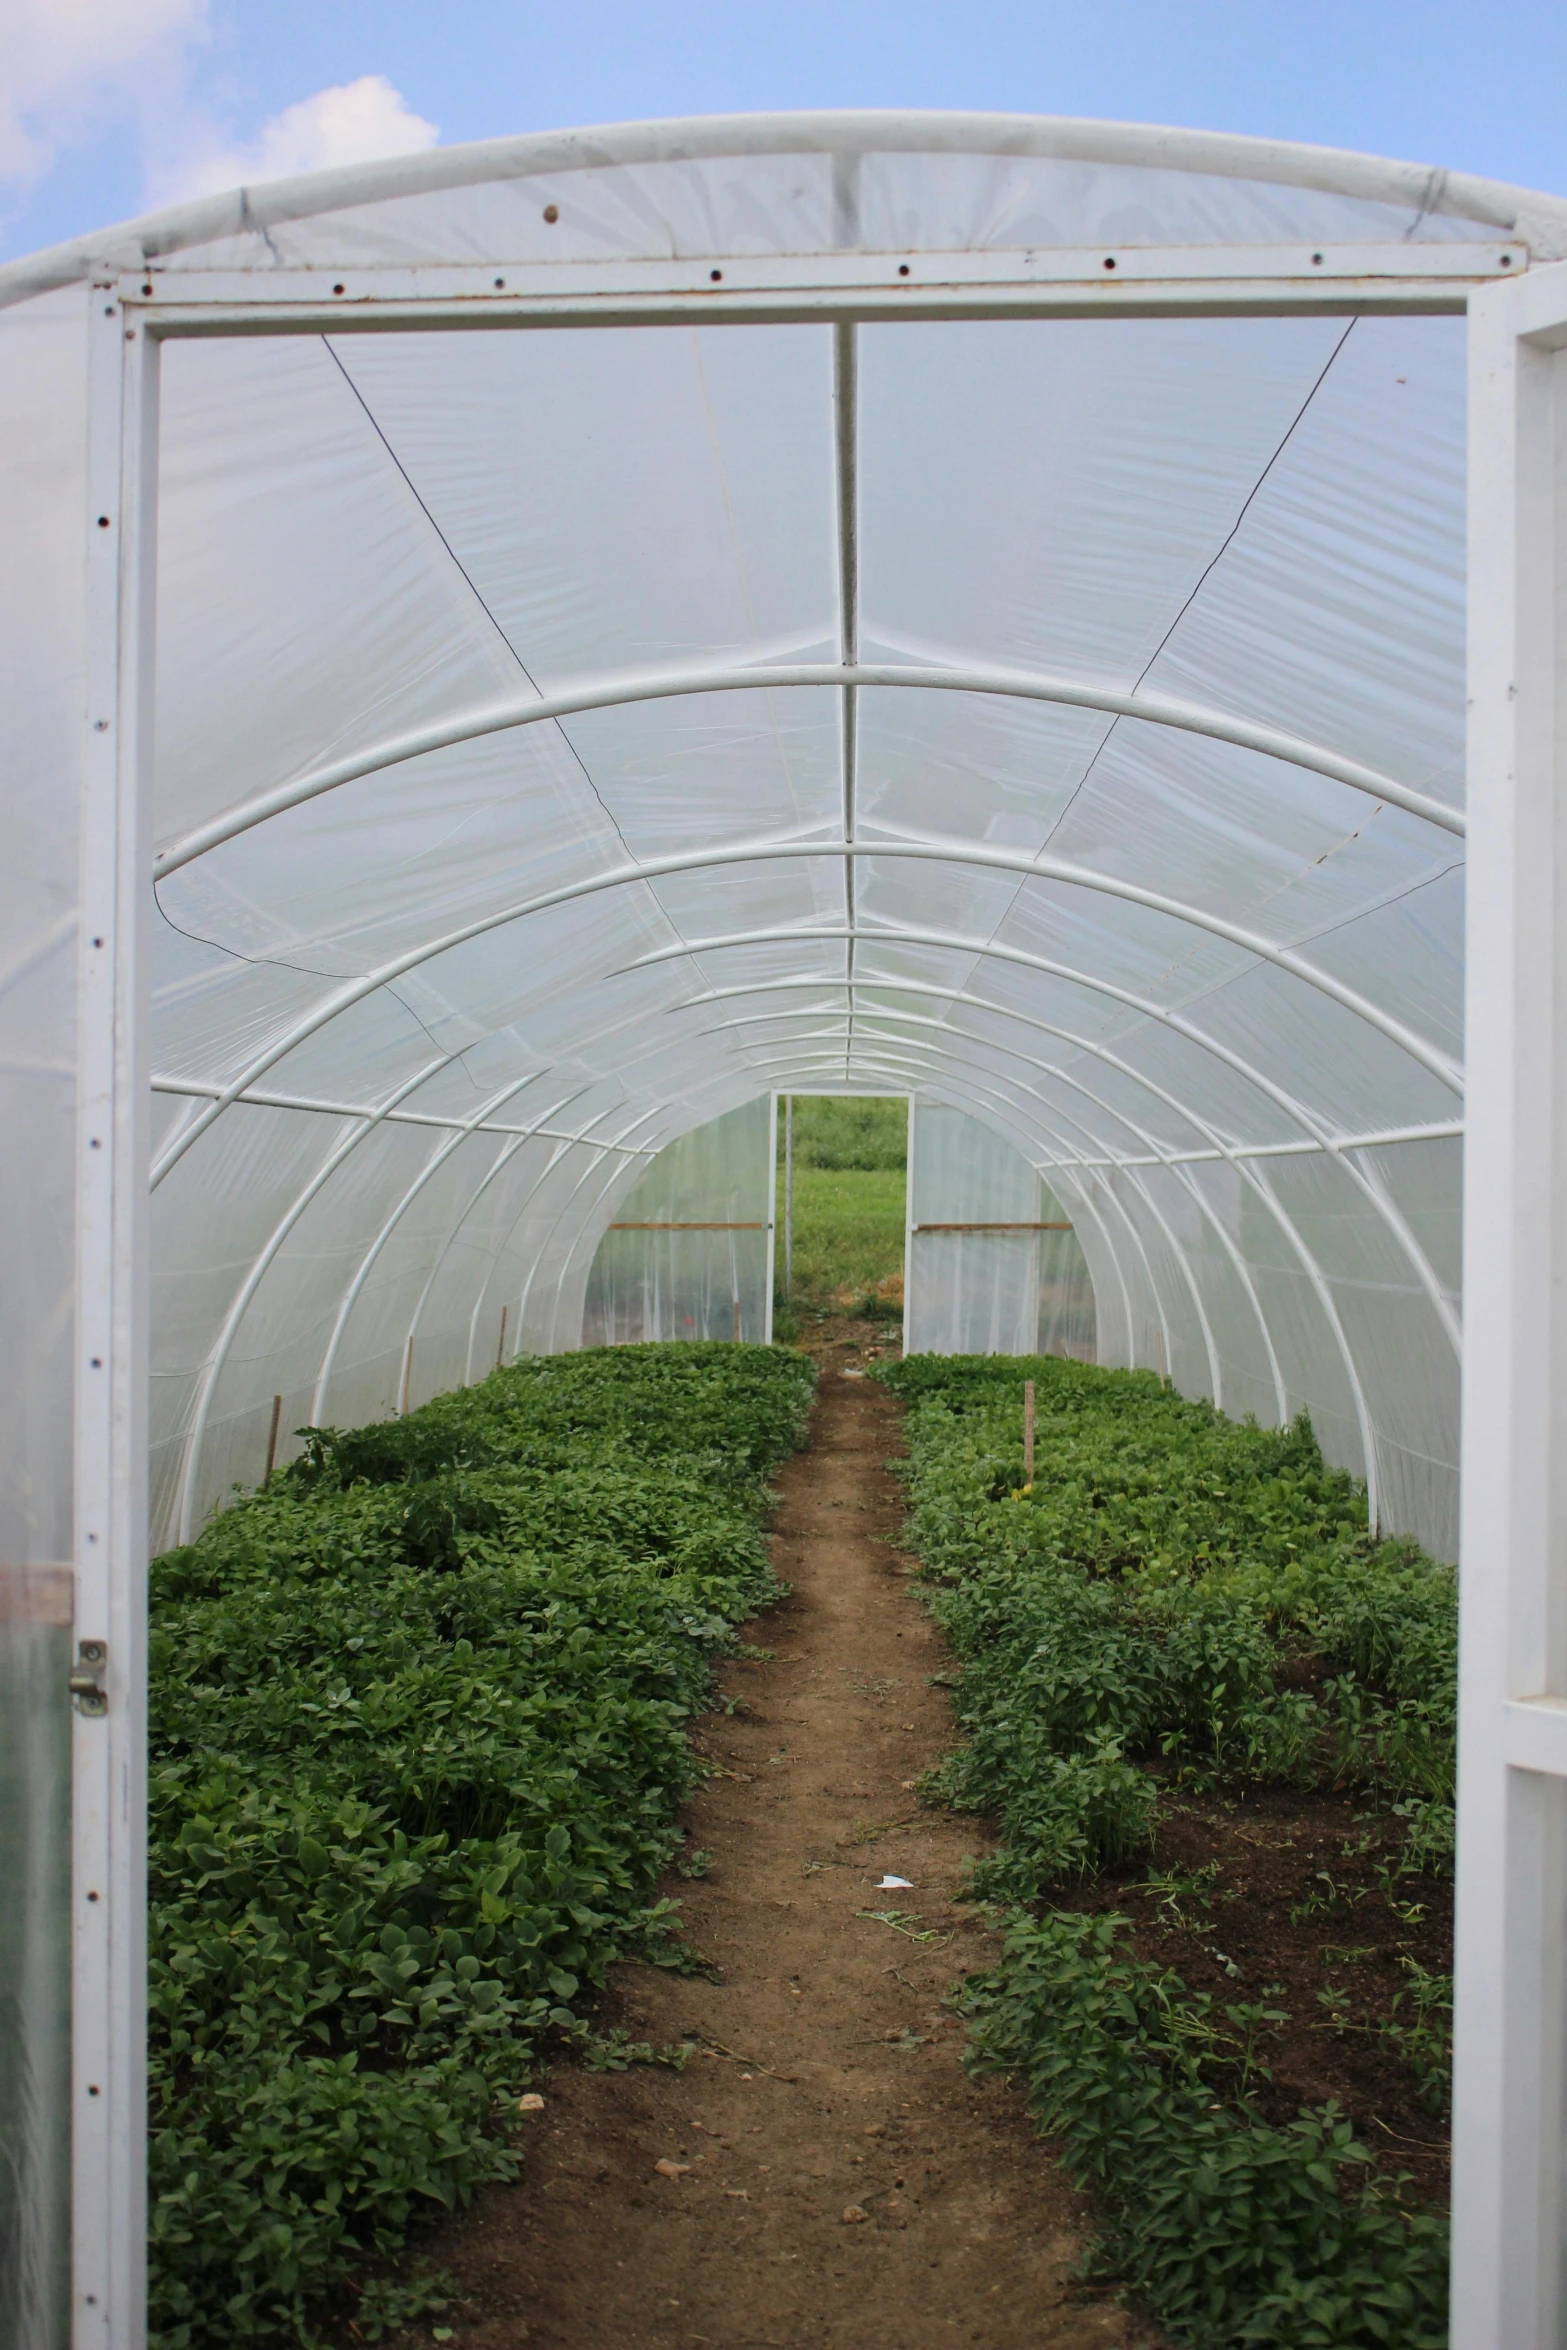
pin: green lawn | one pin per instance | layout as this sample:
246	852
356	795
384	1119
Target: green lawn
848	1232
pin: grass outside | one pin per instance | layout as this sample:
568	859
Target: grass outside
848	1237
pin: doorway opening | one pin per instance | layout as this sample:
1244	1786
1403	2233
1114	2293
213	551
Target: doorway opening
842	1218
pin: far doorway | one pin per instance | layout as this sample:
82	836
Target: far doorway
841	1219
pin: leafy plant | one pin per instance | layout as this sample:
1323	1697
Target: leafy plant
1234	2230
1178	1598
1425	2038
418	1740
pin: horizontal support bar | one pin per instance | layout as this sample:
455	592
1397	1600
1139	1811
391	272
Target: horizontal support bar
991	1227
1242	298
716	283
1448	1130
688	1227
195	1089
1534	1735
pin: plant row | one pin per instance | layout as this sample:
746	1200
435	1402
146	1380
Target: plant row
1178	1600
418	1741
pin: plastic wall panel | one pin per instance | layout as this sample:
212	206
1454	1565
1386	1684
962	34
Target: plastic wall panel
753	203
691	1284
1068	1318
1314	1361
1180	1344
1407	1365
986	1292
1200	1204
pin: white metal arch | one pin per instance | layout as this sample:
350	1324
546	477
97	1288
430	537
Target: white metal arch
1057	869
1325	1299
212	1370
1004	1115
1385	1208
1151	1141
846	133
437	1159
513	711
1342	1148
1215	1367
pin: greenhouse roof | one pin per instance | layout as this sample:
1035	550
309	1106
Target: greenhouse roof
959	604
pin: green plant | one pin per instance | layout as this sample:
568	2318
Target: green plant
418	1738
1425	2040
1143	1614
1234	2230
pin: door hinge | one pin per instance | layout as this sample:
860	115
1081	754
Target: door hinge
87	1674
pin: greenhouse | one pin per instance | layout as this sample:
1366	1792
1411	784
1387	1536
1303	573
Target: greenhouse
522	657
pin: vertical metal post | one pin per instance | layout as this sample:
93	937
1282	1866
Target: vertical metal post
277	1416
408	1372
109	1783
1028	1431
770	1269
500	1351
1508	2102
908	1223
789	1197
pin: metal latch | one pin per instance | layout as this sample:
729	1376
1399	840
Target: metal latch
86	1681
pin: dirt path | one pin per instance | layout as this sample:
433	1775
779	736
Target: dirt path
843	2182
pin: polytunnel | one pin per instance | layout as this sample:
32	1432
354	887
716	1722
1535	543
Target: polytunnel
519	656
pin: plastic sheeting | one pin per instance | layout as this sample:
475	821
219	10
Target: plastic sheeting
690	1253
1002	1283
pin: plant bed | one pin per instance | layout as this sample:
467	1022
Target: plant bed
1214	1718
419	1736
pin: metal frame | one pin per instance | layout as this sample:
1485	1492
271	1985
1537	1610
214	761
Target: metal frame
1509	2292
846	675
108	1795
768	851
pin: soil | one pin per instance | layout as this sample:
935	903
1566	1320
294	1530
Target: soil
1296	1920
832	2175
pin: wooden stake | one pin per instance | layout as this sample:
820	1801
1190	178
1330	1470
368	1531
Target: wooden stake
500	1351
737	1321
408	1372
277	1414
1028	1431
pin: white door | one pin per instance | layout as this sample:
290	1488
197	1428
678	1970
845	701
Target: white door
1508	2112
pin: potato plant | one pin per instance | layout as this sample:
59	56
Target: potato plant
419	1715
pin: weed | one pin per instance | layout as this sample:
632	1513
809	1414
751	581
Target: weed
1425	2042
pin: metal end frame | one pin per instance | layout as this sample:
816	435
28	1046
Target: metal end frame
1509	2112
109	1729
1508	2106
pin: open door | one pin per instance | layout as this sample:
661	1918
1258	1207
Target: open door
992	1265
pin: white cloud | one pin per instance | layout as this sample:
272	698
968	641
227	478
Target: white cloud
355	123
71	64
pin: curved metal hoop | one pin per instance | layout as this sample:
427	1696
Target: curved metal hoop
1054	869
1313	1273
1204	1205
1344	1154
504	716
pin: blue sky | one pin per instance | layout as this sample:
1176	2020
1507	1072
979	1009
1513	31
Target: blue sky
110	106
